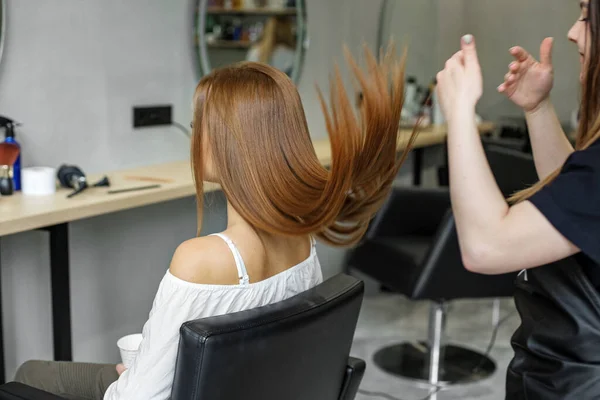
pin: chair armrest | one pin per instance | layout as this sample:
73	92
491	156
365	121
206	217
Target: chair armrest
354	374
18	391
410	211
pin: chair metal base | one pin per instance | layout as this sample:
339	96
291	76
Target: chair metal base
456	364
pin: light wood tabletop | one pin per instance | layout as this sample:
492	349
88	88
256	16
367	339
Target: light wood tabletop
20	213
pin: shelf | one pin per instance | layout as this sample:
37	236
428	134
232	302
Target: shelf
252	11
230	44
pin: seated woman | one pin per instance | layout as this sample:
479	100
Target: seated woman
250	135
277	46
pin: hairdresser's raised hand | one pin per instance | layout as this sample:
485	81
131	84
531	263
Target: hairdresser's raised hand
459	84
529	82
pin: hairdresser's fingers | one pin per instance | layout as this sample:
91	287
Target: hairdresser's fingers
470	53
449	62
546	51
453	66
442	77
514	67
439	78
459	57
519	53
450	66
507	87
511	78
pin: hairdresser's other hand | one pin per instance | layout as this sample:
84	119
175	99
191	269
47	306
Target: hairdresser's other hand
120	369
528	82
459	84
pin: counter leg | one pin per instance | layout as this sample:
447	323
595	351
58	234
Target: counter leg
61	291
417	165
2	360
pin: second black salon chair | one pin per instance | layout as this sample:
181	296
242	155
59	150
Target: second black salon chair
412	248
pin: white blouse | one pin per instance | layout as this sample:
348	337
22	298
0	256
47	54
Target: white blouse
178	301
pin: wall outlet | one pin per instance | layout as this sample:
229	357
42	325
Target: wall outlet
144	116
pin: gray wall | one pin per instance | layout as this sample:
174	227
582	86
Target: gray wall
434	28
71	73
404	22
499	25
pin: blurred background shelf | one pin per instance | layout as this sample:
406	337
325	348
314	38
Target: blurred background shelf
252	11
230	44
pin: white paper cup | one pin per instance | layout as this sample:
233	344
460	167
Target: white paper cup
129	346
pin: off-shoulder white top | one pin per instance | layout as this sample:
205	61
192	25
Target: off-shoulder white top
178	301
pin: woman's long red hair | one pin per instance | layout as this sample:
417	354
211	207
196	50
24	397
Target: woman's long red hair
250	120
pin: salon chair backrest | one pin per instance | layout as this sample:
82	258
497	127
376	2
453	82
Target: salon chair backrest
442	275
514	170
411	245
295	350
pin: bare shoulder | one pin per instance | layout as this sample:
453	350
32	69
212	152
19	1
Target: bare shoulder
205	260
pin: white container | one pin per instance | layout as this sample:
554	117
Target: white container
410	97
38	181
129	346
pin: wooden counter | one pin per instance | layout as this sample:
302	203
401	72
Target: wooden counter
22	213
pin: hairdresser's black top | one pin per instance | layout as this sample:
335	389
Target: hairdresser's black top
572	204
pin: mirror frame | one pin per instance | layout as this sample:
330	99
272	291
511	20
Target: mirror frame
3	27
383	18
200	49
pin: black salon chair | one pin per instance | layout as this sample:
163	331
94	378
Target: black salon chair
499	152
412	248
295	350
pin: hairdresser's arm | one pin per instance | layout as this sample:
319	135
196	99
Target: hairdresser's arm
494	238
528	84
551	148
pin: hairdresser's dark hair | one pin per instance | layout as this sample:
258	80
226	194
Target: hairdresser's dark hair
589	121
250	120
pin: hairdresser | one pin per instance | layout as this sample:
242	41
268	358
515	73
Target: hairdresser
557	346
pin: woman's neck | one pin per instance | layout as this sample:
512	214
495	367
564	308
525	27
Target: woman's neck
234	219
277	248
237	222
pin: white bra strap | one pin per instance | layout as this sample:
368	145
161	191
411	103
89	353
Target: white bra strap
239	262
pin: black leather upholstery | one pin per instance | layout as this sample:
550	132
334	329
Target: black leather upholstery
354	374
295	350
412	247
514	170
421	266
410	212
18	391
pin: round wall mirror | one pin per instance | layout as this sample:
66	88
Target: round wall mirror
269	31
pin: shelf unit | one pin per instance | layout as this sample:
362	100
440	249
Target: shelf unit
229	44
251	11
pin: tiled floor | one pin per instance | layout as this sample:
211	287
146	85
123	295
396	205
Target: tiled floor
386	319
